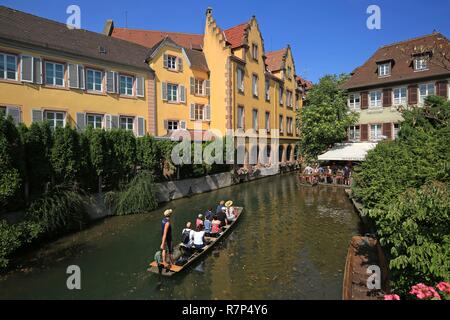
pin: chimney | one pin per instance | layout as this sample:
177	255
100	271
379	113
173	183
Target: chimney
109	27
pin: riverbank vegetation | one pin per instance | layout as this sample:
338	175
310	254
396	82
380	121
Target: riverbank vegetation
325	117
404	187
50	175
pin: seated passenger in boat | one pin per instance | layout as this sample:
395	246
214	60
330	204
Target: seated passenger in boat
187	235
229	212
208	225
198	238
199	220
208	214
220	206
222	216
215	226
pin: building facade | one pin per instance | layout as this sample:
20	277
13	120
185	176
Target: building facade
399	75
224	80
63	76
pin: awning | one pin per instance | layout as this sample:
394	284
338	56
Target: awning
347	152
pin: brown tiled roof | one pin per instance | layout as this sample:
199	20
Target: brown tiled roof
235	35
401	54
25	28
304	83
275	59
148	38
197	59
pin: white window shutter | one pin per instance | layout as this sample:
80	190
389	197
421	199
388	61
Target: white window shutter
81	121
192	111
110	82
183	124
140	127
140	86
37	72
192	82
180	64
81	77
74	76
207	113
37	115
116	82
166	61
114	122
164	90
182	93
15	113
166	124
26	68
208	87
108	121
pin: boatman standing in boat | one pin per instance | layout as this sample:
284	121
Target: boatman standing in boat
166	242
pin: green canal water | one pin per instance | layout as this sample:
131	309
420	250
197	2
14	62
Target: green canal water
291	243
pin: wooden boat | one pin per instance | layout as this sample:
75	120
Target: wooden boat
197	254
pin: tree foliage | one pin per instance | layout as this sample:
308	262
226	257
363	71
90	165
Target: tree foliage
404	186
325	118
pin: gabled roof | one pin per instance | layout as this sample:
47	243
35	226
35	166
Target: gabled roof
149	38
402	56
304	83
236	35
275	59
165	41
20	27
197	60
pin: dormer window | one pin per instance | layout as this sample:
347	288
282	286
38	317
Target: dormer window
384	69
421	63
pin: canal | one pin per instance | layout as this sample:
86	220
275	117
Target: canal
291	243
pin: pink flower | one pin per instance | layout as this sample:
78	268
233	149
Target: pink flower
391	297
422	292
444	287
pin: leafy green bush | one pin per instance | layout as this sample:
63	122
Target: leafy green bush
60	210
147	154
137	197
416	229
404	187
13	237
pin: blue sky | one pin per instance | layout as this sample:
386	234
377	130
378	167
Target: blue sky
326	36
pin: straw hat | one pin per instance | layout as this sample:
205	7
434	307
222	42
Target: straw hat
228	203
168	212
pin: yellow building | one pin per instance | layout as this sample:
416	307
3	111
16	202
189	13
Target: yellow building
226	81
50	72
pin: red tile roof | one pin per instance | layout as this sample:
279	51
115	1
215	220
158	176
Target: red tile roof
304	83
149	38
402	55
275	59
235	35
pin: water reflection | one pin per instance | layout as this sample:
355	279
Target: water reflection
290	244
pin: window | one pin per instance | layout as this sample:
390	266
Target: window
288	98
172	92
240	119
126	123
425	89
384	69
268	121
94	80
281	124
54	74
354	101
289	72
255	85
420	63
354	133
8	66
400	96
199	87
375	132
267	90
289	128
171	62
126	85
240	80
396	130
94	120
280	93
173	125
55	118
199	112
255	119
375	99
255	52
